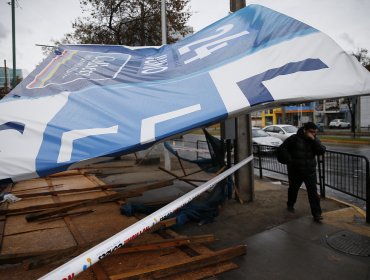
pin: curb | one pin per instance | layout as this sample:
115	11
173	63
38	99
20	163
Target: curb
356	208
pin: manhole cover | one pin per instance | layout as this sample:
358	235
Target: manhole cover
350	243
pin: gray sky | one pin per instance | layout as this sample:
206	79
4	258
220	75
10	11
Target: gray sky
39	21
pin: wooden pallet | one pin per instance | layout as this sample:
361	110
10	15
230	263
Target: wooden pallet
63	215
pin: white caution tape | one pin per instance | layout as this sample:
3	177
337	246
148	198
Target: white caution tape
88	258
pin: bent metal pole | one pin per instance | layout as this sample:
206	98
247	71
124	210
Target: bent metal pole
93	255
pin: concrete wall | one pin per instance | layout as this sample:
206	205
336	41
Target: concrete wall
365	111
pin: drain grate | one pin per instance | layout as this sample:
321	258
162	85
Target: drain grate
350	243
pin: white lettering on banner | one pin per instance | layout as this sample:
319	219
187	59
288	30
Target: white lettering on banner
300	84
154	65
74	70
66	148
148	124
224	29
88	65
27	112
206	50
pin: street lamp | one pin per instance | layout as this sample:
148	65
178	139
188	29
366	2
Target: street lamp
13	45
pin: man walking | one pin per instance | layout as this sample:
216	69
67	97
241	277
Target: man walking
299	153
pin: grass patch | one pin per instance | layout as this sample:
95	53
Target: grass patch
345	139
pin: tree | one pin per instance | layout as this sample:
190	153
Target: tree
362	57
128	22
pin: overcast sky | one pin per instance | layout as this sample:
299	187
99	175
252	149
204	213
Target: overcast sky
39	21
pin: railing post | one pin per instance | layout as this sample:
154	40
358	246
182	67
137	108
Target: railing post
321	163
320	178
323	174
259	160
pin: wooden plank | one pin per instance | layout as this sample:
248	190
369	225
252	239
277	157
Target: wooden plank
74	231
177	177
99	272
53	192
65	173
175	267
179	160
163	225
67	219
62	215
2	227
163	244
33	208
189	249
208	272
32	243
31	259
108	198
70	191
82	169
194	180
19	192
4	207
39	259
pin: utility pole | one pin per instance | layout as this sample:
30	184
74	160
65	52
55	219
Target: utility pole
244	177
236	5
163	22
166	153
13	45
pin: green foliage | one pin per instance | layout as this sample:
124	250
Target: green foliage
362	57
129	22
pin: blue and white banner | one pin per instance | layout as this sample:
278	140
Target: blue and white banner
87	101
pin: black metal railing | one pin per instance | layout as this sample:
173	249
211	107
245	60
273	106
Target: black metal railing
190	150
344	172
265	159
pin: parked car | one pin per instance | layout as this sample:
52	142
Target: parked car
259	137
339	123
281	131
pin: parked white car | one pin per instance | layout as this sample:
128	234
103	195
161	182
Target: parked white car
339	123
281	131
260	137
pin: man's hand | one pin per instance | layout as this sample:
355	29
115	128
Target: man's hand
311	134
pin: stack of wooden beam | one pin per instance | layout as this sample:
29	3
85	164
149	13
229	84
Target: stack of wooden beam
63	215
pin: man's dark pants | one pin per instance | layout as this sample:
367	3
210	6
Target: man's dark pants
295	181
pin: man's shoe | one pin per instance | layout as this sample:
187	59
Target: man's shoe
318	218
290	209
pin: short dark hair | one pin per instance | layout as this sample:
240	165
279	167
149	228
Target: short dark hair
309	125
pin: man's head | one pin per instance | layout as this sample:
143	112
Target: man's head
310	129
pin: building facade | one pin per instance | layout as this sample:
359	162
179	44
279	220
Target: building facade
294	115
365	112
321	112
6	79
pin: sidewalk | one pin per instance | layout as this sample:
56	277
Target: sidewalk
298	248
280	245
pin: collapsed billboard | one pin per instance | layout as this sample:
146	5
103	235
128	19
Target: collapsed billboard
87	101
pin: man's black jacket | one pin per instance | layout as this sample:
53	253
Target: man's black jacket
299	151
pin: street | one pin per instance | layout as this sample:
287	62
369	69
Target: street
357	149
